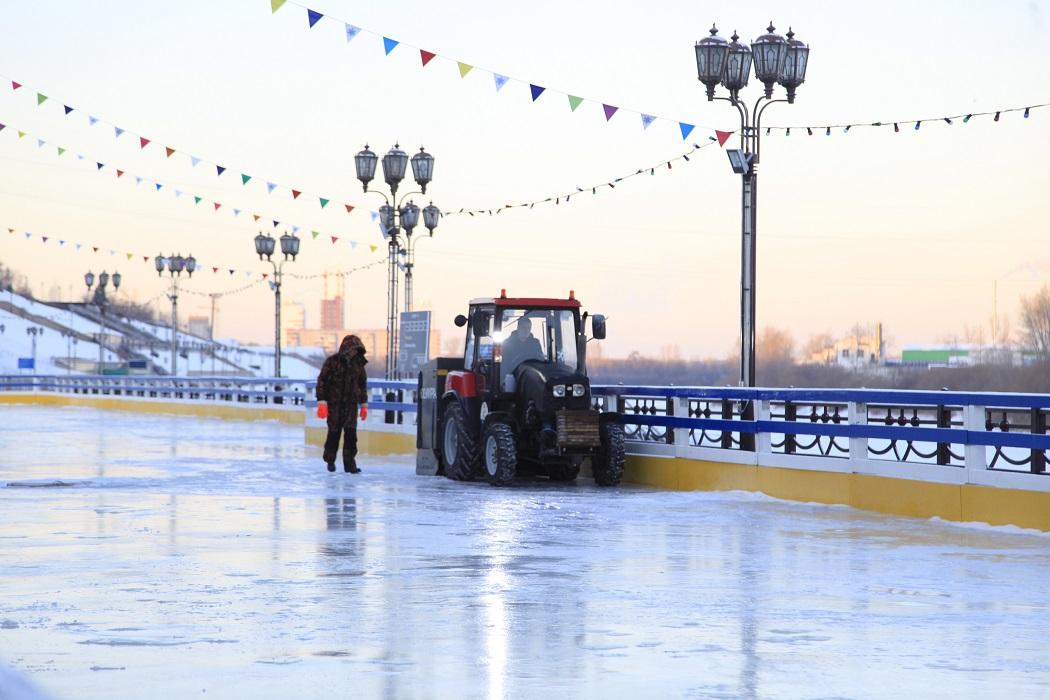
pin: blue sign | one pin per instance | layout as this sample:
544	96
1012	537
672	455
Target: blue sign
26	363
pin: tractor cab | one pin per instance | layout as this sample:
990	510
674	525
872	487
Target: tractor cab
523	382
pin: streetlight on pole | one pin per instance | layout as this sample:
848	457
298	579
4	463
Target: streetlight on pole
33	332
776	60
394	216
175	265
102	301
264	247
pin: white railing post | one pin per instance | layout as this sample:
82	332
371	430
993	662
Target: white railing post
681	435
763	440
976	458
857	414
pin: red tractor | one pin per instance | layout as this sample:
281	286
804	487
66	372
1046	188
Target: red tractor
518	401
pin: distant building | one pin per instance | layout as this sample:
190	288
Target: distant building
293	317
333	305
859	350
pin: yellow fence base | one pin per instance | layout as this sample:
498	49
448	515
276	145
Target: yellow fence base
117	403
370	442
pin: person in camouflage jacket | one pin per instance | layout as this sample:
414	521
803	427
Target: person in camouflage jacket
342	384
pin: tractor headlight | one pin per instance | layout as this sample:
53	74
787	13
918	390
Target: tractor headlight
559	391
577	389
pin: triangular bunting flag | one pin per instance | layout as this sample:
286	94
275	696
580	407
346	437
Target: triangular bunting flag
389	44
686	129
349	208
315	234
43	239
194	161
352	31
217	205
214	270
78	246
118	131
138	180
255	216
324	202
245	178
723	136
274	6
609	111
276	223
119	173
501	80
92	120
29	235
270	187
464	68
21	134
295	194
353	244
40	143
143	141
94	249
236	212
220	170
574	102
373	248
41	99
178	193
67	108
313	16
61	242
196	199
426	56
647	119
536	91
3	126
130	255
145	258
15	85
334	239
231	269
169	150
99	166
265	275
374	215
61	150
158	186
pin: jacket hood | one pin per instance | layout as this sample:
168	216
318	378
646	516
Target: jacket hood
352	346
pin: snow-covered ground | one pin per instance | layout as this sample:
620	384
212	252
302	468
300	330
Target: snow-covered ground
158	556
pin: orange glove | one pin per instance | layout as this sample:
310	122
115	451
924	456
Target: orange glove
322	409
363	413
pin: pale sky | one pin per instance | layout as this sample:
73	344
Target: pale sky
910	228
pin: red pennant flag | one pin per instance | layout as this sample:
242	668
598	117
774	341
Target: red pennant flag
214	270
334	239
143	141
119	173
349	208
145	258
265	275
94	249
15	85
425	56
295	194
170	151
723	136
217	205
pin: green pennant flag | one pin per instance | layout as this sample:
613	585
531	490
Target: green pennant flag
574	102
276	5
61	150
324	202
41	99
196	199
315	234
245	178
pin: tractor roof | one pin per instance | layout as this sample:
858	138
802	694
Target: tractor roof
528	302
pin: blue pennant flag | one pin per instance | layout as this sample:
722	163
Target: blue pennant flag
118	131
647	119
92	120
236	212
68	109
313	16
352	31
536	91
40	143
194	160
686	129
276	223
138	180
178	193
501	80
99	166
220	169
270	187
295	230
158	186
389	44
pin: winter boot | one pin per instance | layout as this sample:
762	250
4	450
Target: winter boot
331	466
350	465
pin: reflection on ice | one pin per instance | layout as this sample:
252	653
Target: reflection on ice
195	556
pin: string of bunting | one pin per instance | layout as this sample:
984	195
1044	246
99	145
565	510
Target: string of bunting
499	80
913	124
172	153
610	184
79	247
160	188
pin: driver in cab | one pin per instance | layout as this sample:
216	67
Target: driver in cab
521	345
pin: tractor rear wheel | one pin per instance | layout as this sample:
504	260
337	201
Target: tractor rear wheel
459	453
608	463
499	454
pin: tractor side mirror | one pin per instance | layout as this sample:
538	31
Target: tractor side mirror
480	324
461	320
598	326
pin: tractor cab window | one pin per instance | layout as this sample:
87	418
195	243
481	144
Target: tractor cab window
544	335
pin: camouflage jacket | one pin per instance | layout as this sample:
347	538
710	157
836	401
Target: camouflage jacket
343	381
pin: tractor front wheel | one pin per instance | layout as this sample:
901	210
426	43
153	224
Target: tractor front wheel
608	463
459	453
499	454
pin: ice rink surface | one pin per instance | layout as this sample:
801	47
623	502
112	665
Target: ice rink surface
156	556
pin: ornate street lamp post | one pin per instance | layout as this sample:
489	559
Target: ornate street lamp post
33	332
102	301
776	60
395	216
264	248
175	265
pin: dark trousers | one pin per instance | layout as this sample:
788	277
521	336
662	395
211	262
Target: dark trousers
348	427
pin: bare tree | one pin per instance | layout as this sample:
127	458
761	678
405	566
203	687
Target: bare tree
775	346
1035	321
821	345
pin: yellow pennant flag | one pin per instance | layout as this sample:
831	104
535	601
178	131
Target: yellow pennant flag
464	68
129	255
276	5
373	248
